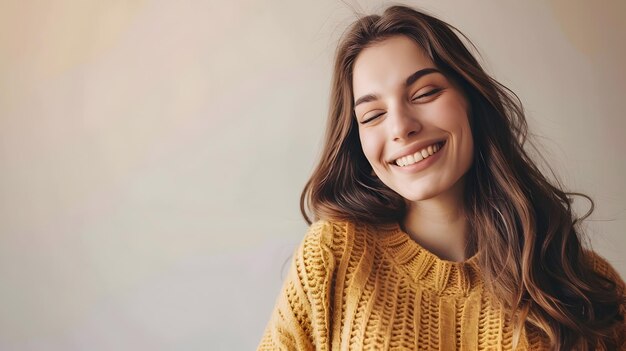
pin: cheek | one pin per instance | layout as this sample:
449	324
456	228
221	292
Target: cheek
371	146
455	121
451	117
449	111
466	141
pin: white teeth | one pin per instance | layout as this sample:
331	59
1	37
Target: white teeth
418	156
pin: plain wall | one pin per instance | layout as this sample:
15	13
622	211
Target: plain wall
152	153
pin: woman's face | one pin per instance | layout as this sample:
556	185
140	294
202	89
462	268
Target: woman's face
413	122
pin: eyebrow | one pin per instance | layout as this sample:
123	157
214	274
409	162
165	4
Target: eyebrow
410	80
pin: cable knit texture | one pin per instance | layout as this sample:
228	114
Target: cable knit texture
352	288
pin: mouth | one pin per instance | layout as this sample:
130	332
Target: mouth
420	155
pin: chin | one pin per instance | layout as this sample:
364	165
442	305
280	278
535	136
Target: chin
419	195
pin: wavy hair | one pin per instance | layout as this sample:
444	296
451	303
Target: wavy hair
535	260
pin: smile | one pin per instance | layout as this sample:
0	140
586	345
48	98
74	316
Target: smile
420	155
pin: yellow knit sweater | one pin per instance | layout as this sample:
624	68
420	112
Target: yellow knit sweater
350	288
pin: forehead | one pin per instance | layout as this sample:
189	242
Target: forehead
387	64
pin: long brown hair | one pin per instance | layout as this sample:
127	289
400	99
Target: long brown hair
523	221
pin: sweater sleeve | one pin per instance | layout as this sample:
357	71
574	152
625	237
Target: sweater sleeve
301	316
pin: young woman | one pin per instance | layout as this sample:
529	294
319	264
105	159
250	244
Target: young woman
434	230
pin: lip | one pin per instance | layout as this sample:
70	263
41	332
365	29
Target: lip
415	148
418	166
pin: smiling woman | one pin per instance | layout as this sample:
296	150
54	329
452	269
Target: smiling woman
418	139
412	118
433	227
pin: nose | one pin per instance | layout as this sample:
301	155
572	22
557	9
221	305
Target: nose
403	123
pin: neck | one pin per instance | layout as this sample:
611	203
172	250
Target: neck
439	224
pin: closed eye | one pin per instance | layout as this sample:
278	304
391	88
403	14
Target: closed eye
427	94
373	117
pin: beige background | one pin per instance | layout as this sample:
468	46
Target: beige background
152	153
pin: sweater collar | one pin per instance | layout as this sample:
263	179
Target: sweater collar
441	276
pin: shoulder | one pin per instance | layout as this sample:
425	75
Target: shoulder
323	238
334	242
327	236
328	229
327	232
604	268
340	236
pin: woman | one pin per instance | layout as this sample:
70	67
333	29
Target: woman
433	227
